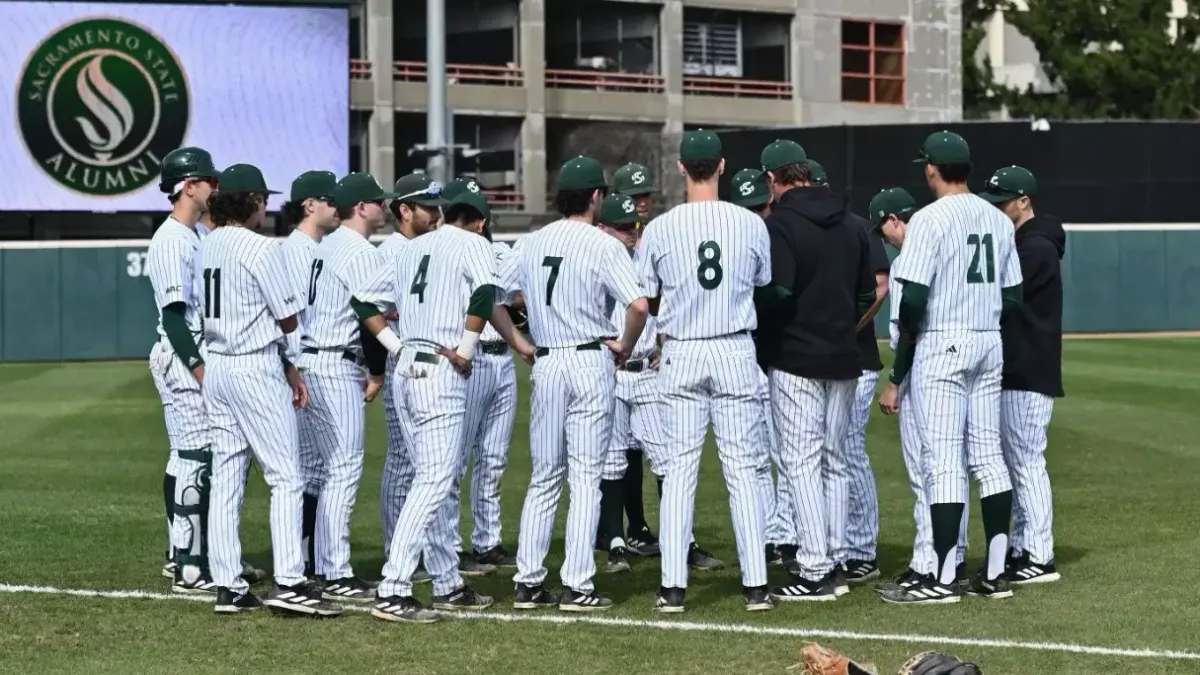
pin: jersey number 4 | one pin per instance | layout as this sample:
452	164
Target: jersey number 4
418	283
212	292
709	273
974	274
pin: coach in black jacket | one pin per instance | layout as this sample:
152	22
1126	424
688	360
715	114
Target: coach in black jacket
810	346
1032	373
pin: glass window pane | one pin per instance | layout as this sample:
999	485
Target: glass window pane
889	35
888	91
889	63
856	33
856	89
856	61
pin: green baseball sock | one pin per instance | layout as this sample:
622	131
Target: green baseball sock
635	513
611	500
946	520
996	511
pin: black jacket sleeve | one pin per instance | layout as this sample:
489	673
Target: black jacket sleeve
865	290
1039	265
783	259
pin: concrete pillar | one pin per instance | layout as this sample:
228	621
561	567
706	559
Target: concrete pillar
671	58
532	59
799	42
381	130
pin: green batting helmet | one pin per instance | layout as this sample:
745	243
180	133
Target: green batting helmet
184	163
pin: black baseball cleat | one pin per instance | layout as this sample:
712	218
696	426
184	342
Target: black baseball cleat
1015	560
801	589
992	589
910	576
465	598
533	597
404	609
229	602
920	590
789	553
961	577
840	585
350	589
574	601
774	556
699	559
643	544
168	569
201	585
1033	573
468	566
860	571
303	599
618	560
252	575
669	600
758	598
496	556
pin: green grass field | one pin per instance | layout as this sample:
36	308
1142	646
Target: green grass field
82	449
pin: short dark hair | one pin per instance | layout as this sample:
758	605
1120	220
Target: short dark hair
237	207
293	211
791	174
346	212
174	198
954	173
457	213
701	169
575	202
761	208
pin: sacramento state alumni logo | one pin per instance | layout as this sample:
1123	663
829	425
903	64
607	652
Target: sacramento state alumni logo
100	102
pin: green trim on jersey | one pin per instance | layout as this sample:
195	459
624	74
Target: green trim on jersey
482	302
364	310
1011	300
174	323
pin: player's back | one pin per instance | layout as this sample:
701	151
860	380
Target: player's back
435	275
236	280
389	250
171	260
490	334
341	259
709	257
963	249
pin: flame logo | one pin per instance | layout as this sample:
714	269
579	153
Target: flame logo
108	105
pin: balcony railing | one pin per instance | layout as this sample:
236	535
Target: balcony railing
505	200
604	80
461	73
736	87
360	69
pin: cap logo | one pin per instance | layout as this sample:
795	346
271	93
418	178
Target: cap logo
472	186
628	206
638	178
746	189
995	181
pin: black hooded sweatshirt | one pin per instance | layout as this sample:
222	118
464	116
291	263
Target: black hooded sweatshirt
822	258
1033	336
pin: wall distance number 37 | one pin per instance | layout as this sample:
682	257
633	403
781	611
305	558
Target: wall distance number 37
135	264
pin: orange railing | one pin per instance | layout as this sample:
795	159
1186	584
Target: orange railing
360	69
505	199
736	87
603	80
462	73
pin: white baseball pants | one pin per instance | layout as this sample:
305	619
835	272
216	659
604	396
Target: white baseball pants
701	381
1025	416
781	519
811	418
335	415
636	423
250	407
435	395
569	432
862	531
398	471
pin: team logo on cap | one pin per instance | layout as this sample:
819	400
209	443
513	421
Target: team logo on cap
99	103
638	178
746	189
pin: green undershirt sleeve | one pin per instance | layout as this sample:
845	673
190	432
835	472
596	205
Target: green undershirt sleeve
482	302
1011	300
771	296
364	310
914	300
866	301
906	348
174	322
374	353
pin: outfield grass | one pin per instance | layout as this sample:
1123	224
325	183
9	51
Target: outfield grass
82	448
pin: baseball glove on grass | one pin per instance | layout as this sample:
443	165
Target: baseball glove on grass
933	663
818	660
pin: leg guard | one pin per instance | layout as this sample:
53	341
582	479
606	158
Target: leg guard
191	512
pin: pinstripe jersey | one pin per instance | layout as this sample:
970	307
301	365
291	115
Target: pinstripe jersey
343	265
389	250
173	266
963	249
706	258
648	340
570	273
490	334
298	250
247	290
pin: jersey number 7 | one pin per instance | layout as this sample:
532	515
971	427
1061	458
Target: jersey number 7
553	262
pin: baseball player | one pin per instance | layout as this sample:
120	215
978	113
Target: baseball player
821	257
706	258
1032	376
959	272
331	359
443	276
250	390
750	190
310	207
637	182
568	274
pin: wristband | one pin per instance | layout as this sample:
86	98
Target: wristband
389	340
466	344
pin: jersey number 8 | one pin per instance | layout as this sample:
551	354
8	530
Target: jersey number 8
709	273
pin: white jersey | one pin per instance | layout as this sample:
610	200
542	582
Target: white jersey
490	334
298	250
173	265
705	259
389	250
343	266
247	291
570	273
894	289
648	340
963	249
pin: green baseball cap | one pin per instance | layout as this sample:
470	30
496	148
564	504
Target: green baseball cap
891	201
357	188
633	179
944	147
420	189
1011	182
313	185
618	209
749	188
458	186
581	173
699	145
782	153
475	200
817	173
242	178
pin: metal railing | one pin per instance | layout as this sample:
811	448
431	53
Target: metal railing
506	200
462	73
360	69
736	87
604	80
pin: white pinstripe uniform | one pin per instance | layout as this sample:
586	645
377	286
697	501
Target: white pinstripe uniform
432	281
343	263
298	251
636	421
247	291
569	272
777	500
707	258
171	260
963	249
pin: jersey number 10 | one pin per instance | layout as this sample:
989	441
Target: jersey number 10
212	292
988	274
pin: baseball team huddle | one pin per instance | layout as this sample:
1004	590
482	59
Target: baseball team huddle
754	316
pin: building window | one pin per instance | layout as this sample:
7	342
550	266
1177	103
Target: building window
873	62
